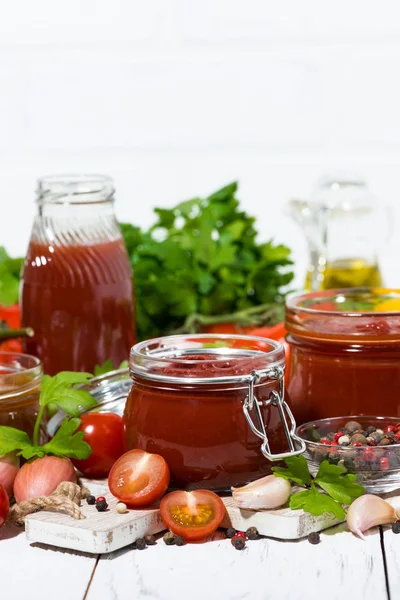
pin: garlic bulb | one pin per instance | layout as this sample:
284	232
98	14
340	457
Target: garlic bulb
267	492
368	511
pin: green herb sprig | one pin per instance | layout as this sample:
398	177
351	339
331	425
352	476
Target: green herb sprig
57	391
326	492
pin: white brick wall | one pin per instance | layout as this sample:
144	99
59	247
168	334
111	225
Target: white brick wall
177	97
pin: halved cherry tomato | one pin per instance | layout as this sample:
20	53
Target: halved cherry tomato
4	505
192	515
139	478
103	433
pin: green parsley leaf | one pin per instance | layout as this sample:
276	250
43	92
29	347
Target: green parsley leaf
12	439
104	368
59	390
315	503
67	443
337	484
108	366
297	470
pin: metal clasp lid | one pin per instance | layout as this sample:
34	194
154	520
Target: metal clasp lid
276	399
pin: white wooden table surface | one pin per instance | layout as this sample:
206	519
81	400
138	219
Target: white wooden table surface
341	567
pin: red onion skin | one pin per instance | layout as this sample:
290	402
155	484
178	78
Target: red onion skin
9	465
41	476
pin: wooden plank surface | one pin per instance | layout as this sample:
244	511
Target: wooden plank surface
35	572
109	531
341	566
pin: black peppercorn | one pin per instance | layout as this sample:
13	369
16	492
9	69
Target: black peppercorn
140	544
150	540
101	505
230	532
314	537
238	542
396	527
179	541
169	538
252	533
91	500
370	430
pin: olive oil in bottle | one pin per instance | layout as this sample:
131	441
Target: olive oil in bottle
345	273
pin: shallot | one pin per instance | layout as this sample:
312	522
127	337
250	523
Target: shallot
9	465
264	493
41	476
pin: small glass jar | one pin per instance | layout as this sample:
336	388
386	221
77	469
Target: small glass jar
77	291
344	353
20	377
212	406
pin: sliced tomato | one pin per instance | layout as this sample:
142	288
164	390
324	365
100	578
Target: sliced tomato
103	433
192	515
139	478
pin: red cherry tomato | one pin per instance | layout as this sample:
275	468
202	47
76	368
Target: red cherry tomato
4	505
139	478
103	433
192	515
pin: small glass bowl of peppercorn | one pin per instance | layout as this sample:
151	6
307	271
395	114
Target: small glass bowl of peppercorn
367	446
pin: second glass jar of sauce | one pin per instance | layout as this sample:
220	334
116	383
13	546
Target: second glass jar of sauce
77	291
344	353
20	377
211	405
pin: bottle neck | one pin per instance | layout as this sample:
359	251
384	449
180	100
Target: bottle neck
75	211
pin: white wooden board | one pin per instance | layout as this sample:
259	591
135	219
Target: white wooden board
105	532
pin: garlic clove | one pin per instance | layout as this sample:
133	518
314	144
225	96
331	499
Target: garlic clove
264	493
368	511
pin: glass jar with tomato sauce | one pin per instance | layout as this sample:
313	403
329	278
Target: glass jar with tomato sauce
344	353
77	290
212	406
20	377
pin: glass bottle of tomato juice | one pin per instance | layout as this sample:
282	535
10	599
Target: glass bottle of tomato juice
77	290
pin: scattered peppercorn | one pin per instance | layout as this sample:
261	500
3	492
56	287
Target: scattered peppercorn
314	537
230	532
241	534
238	542
121	508
91	500
396	527
150	540
140	544
252	533
169	538
100	498
179	541
101	505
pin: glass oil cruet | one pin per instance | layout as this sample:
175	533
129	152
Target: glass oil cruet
344	227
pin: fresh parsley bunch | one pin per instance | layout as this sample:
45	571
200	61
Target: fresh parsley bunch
339	487
202	258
